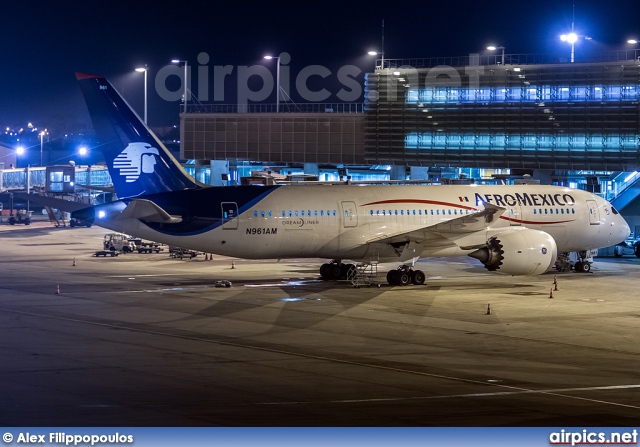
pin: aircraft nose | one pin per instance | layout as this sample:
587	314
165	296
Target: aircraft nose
625	230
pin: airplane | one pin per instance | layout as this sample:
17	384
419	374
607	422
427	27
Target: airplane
511	229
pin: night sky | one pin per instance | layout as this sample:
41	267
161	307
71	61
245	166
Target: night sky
44	43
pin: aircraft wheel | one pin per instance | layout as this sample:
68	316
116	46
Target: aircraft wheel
345	269
578	267
585	267
418	278
325	271
335	271
636	250
392	277
404	278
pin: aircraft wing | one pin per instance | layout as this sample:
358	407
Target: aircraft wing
148	211
463	225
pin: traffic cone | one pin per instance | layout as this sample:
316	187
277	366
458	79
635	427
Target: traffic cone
206	257
233	264
211	257
550	293
74	262
488	309
58	289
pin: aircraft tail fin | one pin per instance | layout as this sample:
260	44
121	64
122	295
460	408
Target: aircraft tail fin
139	164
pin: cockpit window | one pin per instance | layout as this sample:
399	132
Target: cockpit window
615	211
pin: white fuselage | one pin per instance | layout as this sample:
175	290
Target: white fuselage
349	221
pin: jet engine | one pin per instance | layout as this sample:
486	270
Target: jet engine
518	252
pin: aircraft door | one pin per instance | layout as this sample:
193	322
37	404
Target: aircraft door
229	215
515	215
349	214
594	214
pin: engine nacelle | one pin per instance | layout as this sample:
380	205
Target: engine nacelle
518	252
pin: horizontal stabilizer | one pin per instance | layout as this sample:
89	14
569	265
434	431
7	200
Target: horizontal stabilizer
148	211
110	189
59	204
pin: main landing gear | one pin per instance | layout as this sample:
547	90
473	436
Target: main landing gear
402	276
336	270
405	275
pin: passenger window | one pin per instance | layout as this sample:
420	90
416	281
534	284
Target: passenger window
255	214
321	212
302	213
270	214
262	213
334	213
296	213
283	213
315	213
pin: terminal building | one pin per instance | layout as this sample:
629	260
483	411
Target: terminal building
574	124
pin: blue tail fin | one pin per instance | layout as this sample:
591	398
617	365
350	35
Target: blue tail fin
138	162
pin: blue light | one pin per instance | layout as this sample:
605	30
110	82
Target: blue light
540	93
507	141
101	214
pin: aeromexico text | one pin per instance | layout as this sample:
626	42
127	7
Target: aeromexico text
526	199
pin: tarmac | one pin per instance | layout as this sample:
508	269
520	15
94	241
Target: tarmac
147	340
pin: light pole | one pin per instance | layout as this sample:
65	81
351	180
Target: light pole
140	70
634	42
176	61
572	38
269	57
42	134
494	48
375	53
